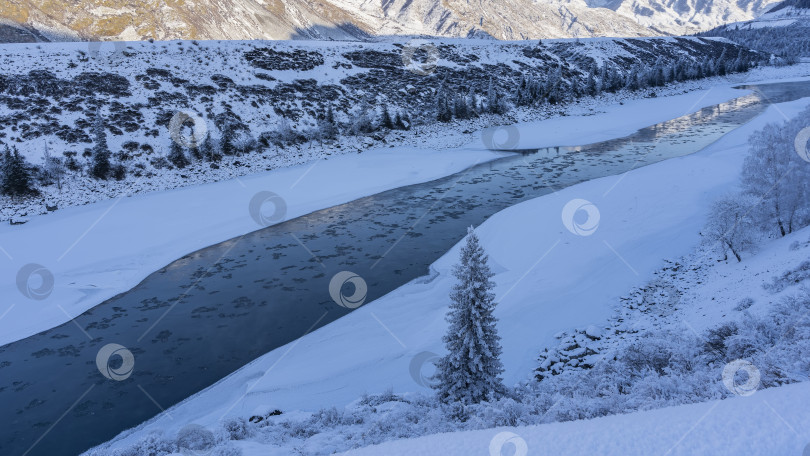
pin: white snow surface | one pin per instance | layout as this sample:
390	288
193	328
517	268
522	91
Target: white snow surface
548	280
100	250
770	422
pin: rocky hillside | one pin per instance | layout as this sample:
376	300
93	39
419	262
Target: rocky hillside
92	120
359	19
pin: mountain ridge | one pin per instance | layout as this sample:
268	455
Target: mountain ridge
68	20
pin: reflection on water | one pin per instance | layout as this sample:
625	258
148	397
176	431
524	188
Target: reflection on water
209	313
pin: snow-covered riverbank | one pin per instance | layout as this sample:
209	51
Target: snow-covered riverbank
99	250
549	279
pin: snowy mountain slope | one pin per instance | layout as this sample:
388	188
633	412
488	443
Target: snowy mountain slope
784	30
664	219
222	19
686	17
771	422
784	14
322	19
509	20
359	19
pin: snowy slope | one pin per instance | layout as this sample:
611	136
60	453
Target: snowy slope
770	422
782	15
548	280
51	95
686	17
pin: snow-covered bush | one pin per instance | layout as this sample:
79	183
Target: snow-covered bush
744	304
237	428
796	275
152	445
225	450
195	437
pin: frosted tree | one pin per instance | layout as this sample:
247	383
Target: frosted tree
209	149
774	173
385	119
327	126
731	224
470	372
100	165
493	100
53	169
363	122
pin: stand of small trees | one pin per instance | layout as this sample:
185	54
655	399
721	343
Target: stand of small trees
774	199
787	43
15	175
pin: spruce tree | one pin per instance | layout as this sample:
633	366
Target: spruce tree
492	98
327	124
471	371
445	113
385	120
100	166
176	156
16	178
